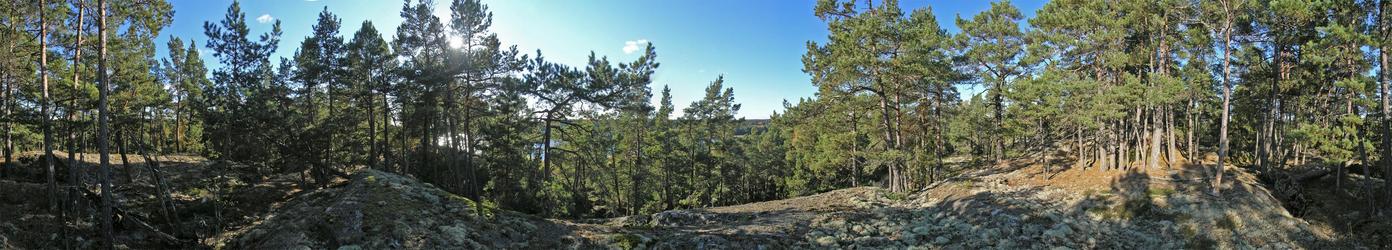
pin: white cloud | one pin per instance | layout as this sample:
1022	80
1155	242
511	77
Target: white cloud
632	46
265	18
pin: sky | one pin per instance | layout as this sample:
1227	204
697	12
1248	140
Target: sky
756	45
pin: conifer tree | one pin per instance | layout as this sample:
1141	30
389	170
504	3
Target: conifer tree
992	44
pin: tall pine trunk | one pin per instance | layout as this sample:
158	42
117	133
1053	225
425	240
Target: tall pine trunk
372	150
8	106
1382	88
1155	138
121	150
8	146
1192	145
103	130
45	109
73	181
1227	99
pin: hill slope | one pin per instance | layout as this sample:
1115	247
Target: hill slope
1021	208
1003	208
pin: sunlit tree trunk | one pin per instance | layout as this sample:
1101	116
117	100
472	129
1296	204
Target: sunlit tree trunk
1382	88
103	130
1227	99
45	108
74	182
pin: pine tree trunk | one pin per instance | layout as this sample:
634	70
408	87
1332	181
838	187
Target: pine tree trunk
8	105
103	131
855	150
330	159
1171	149
1367	172
1227	99
885	121
1100	143
1382	88
451	134
372	161
125	161
1000	124
8	146
45	109
405	150
386	132
545	151
73	181
637	177
1192	145
1155	137
938	139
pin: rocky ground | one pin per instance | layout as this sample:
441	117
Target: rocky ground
1156	209
1019	206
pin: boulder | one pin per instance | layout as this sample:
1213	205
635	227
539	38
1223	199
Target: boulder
940	240
681	218
826	241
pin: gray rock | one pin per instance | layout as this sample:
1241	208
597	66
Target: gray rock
635	220
1059	232
990	233
681	217
455	234
434	200
826	241
940	240
347	219
1030	229
1005	244
920	230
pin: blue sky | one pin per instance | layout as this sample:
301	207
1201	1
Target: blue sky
757	45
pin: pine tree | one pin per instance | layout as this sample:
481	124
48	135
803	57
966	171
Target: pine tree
421	44
370	62
711	124
858	59
318	64
246	65
993	44
103	130
44	106
72	109
1226	11
186	75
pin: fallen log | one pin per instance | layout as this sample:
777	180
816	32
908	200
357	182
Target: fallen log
1310	175
134	221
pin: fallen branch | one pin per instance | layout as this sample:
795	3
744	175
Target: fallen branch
1311	175
135	221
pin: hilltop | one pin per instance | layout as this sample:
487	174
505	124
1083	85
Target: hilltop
1005	207
987	208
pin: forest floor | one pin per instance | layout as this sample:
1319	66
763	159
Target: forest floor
1013	205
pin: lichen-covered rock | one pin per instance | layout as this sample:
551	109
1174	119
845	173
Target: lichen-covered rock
676	218
940	240
826	241
1059	232
379	210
